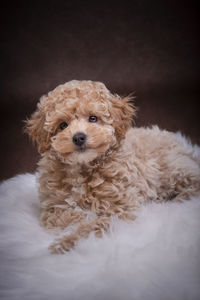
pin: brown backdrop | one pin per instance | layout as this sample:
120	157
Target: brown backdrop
149	47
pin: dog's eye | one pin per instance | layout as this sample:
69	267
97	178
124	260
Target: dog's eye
63	125
93	119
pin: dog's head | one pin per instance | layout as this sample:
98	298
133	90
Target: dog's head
79	121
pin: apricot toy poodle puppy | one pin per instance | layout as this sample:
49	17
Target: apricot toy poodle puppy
92	160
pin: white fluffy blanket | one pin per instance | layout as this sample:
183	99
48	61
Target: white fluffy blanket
155	257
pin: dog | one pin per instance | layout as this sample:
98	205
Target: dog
95	165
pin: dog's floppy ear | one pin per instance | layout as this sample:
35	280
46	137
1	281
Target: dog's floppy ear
122	113
35	128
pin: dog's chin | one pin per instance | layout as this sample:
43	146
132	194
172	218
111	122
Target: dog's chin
80	156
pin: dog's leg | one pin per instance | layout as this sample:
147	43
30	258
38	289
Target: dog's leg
184	191
65	243
184	180
56	217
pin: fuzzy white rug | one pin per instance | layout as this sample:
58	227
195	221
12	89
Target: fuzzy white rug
155	257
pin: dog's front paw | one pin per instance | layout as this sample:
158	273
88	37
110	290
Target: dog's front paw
57	248
62	245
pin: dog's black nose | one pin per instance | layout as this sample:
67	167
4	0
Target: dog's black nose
79	139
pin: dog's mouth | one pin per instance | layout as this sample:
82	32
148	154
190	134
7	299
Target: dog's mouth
81	149
85	148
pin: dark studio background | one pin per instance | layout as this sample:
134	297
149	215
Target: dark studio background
149	47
